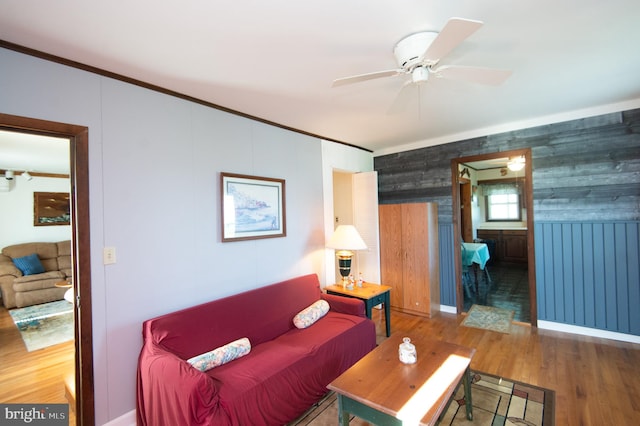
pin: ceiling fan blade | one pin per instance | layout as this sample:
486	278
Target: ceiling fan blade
488	76
365	77
454	32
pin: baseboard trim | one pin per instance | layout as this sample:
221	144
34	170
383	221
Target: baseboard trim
586	331
448	309
127	419
572	329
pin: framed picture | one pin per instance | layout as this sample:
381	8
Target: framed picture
51	208
252	207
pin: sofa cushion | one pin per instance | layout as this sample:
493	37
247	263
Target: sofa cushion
47	253
253	314
265	387
29	298
64	257
221	355
311	314
7	267
29	264
43	250
37	281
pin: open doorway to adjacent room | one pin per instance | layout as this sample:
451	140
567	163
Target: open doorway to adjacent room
493	223
355	202
66	367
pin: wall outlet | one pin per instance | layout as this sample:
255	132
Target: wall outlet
109	255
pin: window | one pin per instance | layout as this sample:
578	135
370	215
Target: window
503	201
503	207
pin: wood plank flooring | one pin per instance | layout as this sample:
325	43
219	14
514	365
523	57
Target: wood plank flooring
595	380
32	377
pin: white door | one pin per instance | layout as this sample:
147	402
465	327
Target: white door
365	219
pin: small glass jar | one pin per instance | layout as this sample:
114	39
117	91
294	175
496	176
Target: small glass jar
407	352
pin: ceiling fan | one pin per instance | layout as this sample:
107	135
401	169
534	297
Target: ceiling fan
419	54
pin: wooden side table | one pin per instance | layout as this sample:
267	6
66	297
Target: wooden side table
370	294
68	295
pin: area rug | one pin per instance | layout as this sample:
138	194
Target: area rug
44	325
489	318
496	402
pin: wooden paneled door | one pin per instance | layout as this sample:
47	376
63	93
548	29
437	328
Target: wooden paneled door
391	254
409	260
415	242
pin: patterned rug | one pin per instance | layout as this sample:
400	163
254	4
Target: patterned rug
489	318
44	325
496	402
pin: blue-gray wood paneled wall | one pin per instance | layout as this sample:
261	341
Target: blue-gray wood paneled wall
447	267
587	274
586	196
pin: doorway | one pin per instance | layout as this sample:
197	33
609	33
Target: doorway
80	250
467	199
355	202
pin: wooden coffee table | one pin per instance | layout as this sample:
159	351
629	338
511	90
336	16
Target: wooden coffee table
371	294
382	390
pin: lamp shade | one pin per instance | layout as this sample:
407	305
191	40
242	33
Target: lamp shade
346	237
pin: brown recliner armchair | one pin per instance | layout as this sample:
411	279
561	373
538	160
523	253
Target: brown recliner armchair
19	290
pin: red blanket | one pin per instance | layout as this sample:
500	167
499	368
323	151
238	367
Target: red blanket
286	371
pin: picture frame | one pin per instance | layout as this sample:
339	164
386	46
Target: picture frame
51	209
252	207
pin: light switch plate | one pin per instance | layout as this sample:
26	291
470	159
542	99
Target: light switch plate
109	255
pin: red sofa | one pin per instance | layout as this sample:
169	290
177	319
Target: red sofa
284	374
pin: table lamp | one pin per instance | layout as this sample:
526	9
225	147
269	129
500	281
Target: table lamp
344	240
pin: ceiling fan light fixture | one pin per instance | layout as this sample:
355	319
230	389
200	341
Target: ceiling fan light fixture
516	164
420	75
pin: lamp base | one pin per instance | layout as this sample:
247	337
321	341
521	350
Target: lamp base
346	284
344	264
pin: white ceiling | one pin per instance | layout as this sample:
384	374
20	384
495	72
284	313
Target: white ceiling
276	59
23	152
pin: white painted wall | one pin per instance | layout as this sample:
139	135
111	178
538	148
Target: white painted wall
154	164
16	212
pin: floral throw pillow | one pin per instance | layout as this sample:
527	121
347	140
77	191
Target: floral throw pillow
311	314
221	355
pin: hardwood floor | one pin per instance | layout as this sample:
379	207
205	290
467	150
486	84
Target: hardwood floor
32	377
595	380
